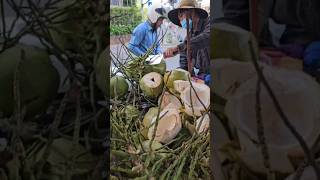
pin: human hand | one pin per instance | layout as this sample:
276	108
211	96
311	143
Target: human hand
170	52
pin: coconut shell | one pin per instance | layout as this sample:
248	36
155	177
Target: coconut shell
39	80
118	87
151	84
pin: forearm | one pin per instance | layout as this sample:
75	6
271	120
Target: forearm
135	50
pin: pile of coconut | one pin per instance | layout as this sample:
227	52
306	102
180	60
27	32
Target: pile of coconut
160	115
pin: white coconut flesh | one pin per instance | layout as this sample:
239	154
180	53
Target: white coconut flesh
203	124
229	74
168	127
298	95
152	80
169	99
196	100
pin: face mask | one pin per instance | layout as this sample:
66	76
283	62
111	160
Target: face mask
184	23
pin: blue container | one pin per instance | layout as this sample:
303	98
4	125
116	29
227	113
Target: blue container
207	79
311	57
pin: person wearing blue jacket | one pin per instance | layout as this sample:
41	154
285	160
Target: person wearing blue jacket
145	35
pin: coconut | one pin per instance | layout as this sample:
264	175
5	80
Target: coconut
203	123
177	74
229	41
169	125
228	74
152	112
61	151
196	101
169	99
300	104
159	68
39	80
101	70
118	87
180	85
151	84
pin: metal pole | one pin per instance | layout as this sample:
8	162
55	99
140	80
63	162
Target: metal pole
188	45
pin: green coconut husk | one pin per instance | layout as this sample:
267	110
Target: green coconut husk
228	41
159	68
102	73
38	79
62	154
118	87
151	84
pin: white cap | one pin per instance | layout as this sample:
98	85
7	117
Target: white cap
156	11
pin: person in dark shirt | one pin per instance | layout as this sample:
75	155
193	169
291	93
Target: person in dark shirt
200	36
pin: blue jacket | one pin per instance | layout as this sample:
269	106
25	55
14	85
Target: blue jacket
143	38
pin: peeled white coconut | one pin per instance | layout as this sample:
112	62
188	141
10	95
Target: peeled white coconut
169	99
228	74
203	124
176	74
180	85
151	84
169	125
298	95
229	41
199	100
172	106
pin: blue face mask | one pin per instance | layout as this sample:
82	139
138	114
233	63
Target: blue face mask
184	23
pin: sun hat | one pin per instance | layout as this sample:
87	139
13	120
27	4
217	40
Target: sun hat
186	4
